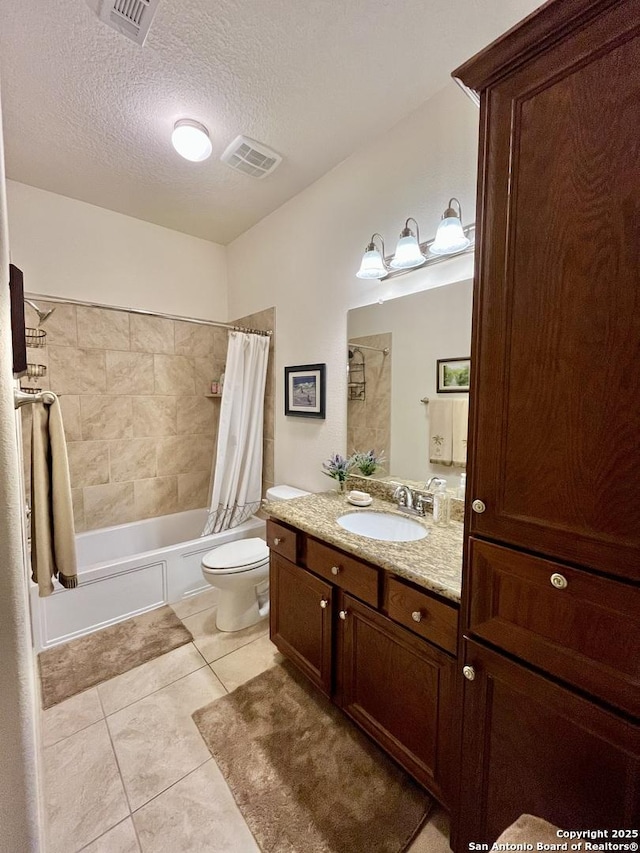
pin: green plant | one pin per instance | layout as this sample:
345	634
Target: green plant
368	462
337	467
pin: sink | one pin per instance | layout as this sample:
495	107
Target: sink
385	526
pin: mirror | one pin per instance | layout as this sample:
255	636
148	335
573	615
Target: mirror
385	390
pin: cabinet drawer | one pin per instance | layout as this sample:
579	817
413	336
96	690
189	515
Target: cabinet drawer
346	572
426	616
282	540
577	626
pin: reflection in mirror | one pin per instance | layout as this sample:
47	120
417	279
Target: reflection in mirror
385	411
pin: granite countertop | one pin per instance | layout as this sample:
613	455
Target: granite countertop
434	562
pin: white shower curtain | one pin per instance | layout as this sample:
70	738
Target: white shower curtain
237	476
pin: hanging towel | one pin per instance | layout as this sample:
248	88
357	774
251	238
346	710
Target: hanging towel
459	438
53	546
441	432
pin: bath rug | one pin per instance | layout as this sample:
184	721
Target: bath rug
80	664
303	776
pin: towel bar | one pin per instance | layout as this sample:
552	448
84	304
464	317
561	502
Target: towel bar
20	398
424	400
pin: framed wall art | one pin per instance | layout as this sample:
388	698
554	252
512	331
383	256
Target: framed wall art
304	391
453	375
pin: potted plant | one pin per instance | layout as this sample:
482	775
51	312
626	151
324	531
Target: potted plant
338	468
367	463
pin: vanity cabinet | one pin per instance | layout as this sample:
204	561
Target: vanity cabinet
341	622
550	610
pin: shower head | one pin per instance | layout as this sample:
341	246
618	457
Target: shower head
43	316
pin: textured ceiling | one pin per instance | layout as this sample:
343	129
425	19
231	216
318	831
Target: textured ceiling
89	114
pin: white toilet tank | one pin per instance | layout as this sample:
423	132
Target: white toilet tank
285	493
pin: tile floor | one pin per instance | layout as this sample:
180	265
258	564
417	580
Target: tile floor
127	770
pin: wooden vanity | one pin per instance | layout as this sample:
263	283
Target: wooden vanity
383	648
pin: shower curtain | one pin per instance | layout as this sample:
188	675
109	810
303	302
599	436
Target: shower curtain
237	476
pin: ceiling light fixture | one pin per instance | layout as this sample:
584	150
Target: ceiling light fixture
191	140
408	254
373	264
450	237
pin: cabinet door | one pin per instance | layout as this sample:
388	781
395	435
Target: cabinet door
300	619
397	687
557	313
532	747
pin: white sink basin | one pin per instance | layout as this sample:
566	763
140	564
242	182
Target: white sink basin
383	526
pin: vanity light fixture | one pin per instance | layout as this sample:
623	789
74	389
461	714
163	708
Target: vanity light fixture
191	140
373	264
450	237
408	254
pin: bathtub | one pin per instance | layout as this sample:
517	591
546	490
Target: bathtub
129	569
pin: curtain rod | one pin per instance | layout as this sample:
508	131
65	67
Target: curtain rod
386	350
230	326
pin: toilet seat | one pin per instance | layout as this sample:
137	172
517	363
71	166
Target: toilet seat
243	555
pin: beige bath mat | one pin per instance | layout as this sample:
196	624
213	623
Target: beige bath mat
304	778
79	664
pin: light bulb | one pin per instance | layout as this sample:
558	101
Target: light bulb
191	140
408	252
372	265
450	237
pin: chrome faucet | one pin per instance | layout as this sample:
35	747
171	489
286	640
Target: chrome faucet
412	502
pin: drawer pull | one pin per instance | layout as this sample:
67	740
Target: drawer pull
324	603
469	672
277	540
417	616
559	581
343	614
478	506
335	570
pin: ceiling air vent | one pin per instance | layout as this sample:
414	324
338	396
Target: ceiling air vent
251	157
131	18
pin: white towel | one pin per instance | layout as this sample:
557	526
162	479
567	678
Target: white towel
459	437
441	432
53	546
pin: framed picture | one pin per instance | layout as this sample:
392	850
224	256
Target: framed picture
453	375
304	391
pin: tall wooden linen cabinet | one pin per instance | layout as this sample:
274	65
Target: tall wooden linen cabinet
550	614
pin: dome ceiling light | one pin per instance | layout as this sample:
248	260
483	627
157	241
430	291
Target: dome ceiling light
191	140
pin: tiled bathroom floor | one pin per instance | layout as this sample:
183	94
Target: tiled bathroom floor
127	770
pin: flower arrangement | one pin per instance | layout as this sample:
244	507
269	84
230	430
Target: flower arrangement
368	462
338	467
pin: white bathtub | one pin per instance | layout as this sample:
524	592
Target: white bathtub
128	569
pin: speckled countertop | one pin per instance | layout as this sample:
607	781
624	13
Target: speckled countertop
434	562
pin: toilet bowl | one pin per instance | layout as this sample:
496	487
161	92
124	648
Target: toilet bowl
240	571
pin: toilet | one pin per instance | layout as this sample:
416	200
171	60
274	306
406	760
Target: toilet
240	571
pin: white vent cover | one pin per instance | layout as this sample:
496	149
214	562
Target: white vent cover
131	18
251	157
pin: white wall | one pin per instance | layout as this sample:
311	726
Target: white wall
303	258
425	326
71	249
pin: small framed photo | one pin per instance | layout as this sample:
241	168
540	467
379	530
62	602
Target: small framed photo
453	375
304	391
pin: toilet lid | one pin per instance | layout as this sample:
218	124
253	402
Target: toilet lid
243	554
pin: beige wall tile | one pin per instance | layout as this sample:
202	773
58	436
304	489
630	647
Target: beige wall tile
193	339
198	415
129	373
109	504
70	407
61	326
174	374
154	416
77	371
193	490
78	509
267	461
156	497
184	454
270	384
106	417
132	459
269	417
88	463
151	334
102	328
220	343
206	370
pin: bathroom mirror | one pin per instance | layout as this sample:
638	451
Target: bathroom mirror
385	390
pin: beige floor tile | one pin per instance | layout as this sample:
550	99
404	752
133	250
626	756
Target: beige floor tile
84	792
121	839
215	644
434	837
131	686
197	815
196	603
70	716
245	663
156	740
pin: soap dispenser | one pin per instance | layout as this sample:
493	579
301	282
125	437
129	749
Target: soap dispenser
441	504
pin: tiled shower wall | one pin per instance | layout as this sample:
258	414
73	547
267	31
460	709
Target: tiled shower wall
369	420
140	429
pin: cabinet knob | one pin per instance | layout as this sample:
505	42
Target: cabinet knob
324	603
343	614
469	672
277	540
559	581
335	570
416	616
478	506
